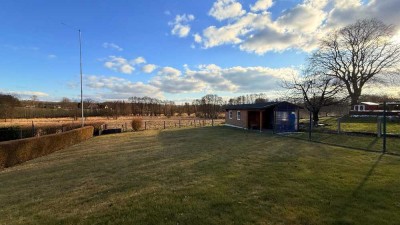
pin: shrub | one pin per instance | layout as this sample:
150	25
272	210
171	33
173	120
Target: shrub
18	151
136	124
9	133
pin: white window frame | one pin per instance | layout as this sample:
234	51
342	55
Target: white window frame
238	115
359	108
230	114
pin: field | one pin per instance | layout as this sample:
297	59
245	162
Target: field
211	175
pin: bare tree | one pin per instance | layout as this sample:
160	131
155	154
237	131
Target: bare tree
315	91
358	54
7	106
65	102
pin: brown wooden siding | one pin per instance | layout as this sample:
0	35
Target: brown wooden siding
239	123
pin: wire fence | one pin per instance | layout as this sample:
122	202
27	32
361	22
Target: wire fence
36	130
375	130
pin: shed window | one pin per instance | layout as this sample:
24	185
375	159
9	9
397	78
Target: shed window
238	115
230	114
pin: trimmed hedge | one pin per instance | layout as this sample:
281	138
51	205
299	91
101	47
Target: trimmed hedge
18	151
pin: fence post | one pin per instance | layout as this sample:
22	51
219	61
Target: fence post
379	127
338	125
33	130
194	123
309	132
179	123
164	124
203	123
384	127
212	122
145	125
20	133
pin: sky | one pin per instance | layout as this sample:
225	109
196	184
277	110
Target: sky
169	49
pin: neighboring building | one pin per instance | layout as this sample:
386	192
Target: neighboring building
375	109
276	116
366	106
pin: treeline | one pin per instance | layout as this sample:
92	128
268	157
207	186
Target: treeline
209	106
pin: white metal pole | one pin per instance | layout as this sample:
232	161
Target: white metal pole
80	62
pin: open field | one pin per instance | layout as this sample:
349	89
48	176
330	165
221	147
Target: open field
212	175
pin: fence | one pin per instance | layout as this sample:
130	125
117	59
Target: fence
165	124
377	131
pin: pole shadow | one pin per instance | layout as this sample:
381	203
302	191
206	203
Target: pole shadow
355	194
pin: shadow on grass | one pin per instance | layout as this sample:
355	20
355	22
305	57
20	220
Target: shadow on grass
350	142
373	142
356	193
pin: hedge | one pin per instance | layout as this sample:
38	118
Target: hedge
18	151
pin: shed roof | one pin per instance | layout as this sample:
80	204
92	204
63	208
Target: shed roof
257	106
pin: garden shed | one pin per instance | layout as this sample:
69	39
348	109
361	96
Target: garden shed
276	116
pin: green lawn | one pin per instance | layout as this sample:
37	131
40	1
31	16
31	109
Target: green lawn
212	175
363	142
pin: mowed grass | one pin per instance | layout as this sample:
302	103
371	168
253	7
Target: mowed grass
363	142
212	175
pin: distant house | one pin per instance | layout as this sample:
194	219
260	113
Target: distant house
366	106
375	109
276	116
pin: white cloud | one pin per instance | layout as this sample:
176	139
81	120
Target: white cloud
112	46
240	79
197	38
261	5
226	9
299	27
119	64
25	94
212	78
180	25
149	68
233	33
51	56
138	60
303	18
169	72
170	80
119	87
209	78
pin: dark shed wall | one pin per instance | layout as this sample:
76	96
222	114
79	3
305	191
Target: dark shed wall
286	117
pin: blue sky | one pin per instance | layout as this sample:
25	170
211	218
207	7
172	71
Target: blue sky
169	49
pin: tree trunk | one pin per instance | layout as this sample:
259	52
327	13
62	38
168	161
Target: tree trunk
315	117
355	97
